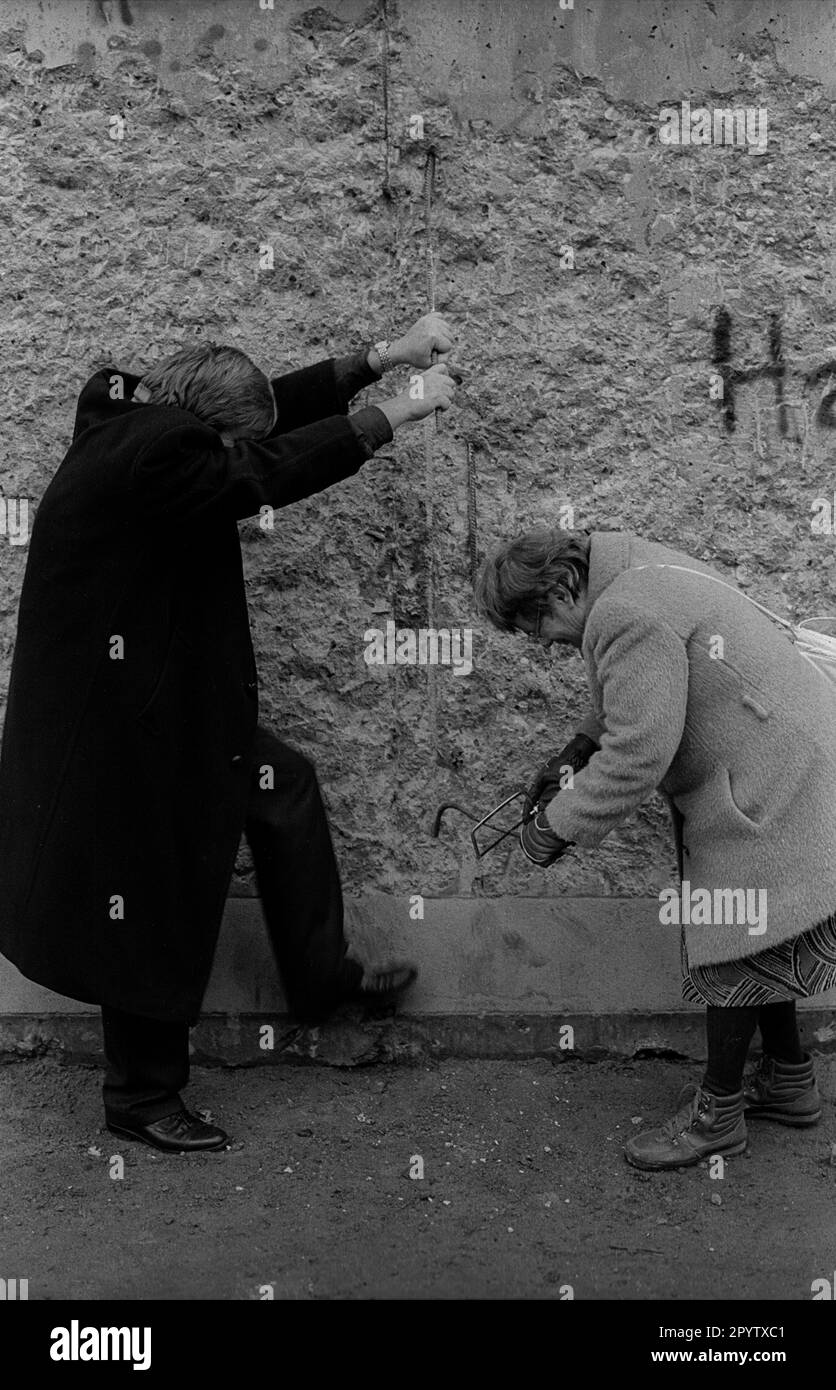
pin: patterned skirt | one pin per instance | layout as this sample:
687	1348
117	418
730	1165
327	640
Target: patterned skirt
793	969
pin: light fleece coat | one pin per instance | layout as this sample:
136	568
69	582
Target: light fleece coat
742	744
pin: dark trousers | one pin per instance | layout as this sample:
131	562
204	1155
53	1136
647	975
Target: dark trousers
287	830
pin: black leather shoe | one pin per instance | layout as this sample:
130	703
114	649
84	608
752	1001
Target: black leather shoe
177	1133
381	985
374	986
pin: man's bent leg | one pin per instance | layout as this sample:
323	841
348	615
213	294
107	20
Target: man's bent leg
298	880
147	1066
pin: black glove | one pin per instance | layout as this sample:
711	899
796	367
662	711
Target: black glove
539	842
546	784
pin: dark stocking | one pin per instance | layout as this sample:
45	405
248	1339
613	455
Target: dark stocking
729	1033
779	1031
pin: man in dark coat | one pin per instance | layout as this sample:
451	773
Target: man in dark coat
131	758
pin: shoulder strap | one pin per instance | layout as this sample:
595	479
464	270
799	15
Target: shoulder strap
818	648
715	579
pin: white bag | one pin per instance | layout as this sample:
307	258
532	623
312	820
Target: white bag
819	648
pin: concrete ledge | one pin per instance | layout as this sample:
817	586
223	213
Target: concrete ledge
499	977
221	1040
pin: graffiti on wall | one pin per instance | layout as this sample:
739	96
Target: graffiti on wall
774	369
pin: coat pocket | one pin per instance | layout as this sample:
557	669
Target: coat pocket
743	802
712	808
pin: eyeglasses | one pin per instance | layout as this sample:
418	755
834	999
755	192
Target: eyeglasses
535	631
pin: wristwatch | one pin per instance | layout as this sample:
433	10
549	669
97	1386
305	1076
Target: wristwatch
382	350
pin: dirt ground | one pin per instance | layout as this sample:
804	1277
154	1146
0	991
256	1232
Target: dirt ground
525	1190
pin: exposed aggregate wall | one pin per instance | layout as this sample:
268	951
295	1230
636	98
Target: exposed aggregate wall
586	386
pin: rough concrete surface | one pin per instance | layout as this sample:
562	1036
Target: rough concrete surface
525	1190
585	386
500	966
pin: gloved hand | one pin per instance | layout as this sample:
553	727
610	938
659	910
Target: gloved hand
546	784
539	842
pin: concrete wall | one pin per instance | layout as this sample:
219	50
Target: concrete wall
585	386
499	976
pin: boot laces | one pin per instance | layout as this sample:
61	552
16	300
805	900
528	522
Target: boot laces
762	1076
180	1123
685	1117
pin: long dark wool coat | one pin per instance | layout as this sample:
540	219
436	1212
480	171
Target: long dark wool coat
133	696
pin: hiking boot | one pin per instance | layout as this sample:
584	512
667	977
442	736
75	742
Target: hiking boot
783	1091
702	1126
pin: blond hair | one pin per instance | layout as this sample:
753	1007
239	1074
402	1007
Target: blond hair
218	384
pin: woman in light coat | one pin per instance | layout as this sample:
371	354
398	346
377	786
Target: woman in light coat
699	695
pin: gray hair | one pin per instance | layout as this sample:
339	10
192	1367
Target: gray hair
220	385
521	573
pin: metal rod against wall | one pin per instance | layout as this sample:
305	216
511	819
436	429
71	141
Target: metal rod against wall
472	535
430	429
394	683
429	191
384	72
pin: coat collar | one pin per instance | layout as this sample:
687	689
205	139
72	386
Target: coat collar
609	556
97	404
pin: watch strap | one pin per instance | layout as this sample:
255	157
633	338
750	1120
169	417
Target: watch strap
382	350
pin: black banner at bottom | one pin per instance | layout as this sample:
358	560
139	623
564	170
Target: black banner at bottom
251	1339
